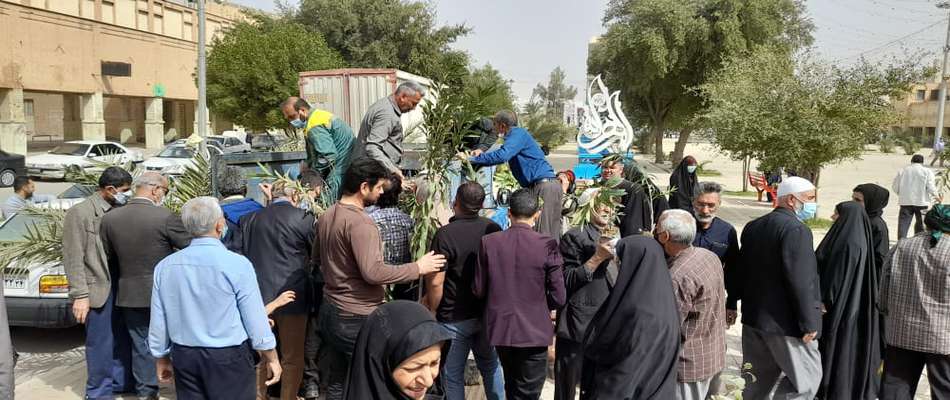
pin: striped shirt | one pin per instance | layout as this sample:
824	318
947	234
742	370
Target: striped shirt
915	294
701	299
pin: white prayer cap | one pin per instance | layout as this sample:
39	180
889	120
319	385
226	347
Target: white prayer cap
793	185
586	197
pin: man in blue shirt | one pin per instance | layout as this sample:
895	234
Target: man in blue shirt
207	314
529	167
712	233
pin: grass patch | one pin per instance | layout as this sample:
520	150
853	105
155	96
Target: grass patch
739	194
708	172
819	223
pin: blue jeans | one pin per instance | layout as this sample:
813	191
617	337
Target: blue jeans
108	352
483	176
143	364
468	335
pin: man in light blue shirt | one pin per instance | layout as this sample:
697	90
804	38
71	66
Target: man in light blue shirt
23	196
207	312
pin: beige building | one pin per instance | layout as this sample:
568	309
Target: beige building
919	110
101	69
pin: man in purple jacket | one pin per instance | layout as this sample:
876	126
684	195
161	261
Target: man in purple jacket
519	274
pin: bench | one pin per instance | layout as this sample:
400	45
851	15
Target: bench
761	185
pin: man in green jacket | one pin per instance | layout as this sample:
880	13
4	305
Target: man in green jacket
329	143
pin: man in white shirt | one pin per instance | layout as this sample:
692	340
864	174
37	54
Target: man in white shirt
916	186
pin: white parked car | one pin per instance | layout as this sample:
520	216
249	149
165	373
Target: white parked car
37	295
79	154
174	158
230	144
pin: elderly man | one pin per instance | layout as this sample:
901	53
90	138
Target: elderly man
776	278
23	196
207	314
278	240
588	278
529	167
916	188
233	188
381	133
329	143
108	356
701	299
135	238
713	233
917	311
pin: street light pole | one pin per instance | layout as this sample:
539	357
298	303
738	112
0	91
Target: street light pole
938	130
202	114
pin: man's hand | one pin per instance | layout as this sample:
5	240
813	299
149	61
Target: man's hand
163	367
285	298
731	317
273	366
809	337
81	309
604	252
477	152
430	263
266	190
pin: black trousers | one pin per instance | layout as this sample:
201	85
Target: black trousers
903	220
902	370
203	373
568	361
338	332
314	355
525	369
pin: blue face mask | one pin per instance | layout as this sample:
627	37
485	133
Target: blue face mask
296	123
807	211
691	168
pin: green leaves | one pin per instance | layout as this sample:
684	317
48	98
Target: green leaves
195	181
253	67
42	243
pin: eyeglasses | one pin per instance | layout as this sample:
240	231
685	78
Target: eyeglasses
165	188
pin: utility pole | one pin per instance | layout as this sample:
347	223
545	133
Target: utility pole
202	114
938	130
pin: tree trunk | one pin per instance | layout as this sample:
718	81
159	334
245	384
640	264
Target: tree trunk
680	146
658	136
746	163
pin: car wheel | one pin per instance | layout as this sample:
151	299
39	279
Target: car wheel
7	177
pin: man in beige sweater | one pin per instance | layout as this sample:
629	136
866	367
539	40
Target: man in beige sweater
350	254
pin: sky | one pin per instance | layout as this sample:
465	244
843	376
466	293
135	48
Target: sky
526	39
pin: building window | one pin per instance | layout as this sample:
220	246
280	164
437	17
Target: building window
28	108
935	95
921	95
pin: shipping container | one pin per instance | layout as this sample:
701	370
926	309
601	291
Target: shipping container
349	92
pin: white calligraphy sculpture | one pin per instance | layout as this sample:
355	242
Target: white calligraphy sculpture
605	125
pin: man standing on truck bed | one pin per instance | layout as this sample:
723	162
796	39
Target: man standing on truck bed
329	143
381	134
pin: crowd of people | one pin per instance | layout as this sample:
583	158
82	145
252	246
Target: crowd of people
235	299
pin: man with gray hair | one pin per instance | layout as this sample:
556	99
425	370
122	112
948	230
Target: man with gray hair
232	185
135	238
278	240
381	134
529	167
701	300
207	316
713	233
776	278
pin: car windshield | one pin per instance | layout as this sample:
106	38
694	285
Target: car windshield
176	152
15	228
77	191
71	149
218	140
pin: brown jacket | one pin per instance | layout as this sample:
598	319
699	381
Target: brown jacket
84	258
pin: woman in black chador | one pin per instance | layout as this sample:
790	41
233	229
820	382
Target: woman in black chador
684	181
850	342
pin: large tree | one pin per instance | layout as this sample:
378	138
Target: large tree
254	66
800	114
387	34
659	52
553	95
486	79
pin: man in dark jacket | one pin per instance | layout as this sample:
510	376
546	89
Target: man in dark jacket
278	240
449	295
519	275
776	279
135	238
588	278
